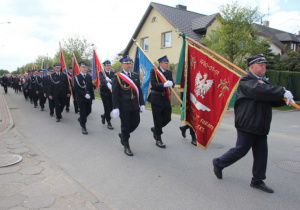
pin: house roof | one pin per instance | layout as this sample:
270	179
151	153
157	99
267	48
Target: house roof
190	23
277	36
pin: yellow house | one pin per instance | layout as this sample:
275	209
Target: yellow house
156	32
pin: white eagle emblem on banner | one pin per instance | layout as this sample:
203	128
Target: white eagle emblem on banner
202	85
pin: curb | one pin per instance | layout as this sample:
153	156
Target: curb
11	121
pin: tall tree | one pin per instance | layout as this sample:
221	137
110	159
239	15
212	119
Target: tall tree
77	45
236	37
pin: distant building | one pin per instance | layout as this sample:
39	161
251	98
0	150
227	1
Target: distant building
156	32
279	38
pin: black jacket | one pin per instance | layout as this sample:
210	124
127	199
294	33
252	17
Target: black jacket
158	95
103	87
123	96
253	105
58	85
83	86
40	84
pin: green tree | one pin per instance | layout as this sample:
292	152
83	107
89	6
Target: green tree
237	37
81	48
2	71
291	61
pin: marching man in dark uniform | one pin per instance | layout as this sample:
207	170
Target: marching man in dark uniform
59	90
84	94
127	101
27	85
106	92
253	114
40	82
47	91
69	74
33	83
159	99
5	83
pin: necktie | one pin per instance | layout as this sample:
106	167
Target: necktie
83	76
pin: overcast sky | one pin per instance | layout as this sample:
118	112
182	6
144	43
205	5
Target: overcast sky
37	26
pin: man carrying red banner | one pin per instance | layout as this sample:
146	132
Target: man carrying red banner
161	79
253	113
127	100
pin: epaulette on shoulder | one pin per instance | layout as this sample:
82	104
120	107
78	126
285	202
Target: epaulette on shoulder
133	72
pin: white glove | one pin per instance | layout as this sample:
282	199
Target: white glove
116	113
289	96
108	85
93	101
143	108
108	79
87	96
168	83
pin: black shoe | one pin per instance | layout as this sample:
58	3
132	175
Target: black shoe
102	119
262	186
57	120
42	109
109	126
84	131
153	131
51	114
79	120
127	151
76	112
35	106
160	144
194	142
67	110
120	135
217	170
183	130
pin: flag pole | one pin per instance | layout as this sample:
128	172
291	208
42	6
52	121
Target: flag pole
296	106
62	55
172	89
103	71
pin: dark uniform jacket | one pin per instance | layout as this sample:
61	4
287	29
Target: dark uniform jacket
253	105
83	86
4	80
40	84
158	95
58	85
103	87
123	96
32	82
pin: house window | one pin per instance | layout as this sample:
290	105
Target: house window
145	43
154	19
293	46
167	39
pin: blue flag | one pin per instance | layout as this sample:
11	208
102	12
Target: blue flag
143	66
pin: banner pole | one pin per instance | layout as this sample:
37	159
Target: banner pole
172	89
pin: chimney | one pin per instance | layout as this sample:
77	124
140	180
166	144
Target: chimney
266	23
181	7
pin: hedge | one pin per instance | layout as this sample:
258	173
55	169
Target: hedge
288	79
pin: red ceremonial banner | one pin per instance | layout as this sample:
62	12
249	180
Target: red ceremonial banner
209	88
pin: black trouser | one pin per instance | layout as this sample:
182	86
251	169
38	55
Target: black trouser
29	94
108	107
59	103
35	98
51	105
5	88
130	120
25	93
68	104
192	132
244	142
85	111
42	100
161	117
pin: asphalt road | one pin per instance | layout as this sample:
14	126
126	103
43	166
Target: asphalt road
178	177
